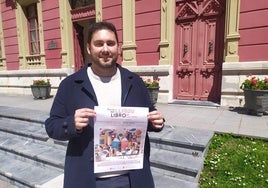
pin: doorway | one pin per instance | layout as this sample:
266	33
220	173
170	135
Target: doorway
199	48
79	56
80	35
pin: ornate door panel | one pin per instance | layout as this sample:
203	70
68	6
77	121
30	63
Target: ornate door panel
199	49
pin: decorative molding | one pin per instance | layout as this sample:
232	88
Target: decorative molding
2	64
158	70
190	10
213	8
83	13
36	73
35	61
187	11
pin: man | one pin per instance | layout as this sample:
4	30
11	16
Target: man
101	83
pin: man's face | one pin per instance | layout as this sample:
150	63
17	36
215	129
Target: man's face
103	49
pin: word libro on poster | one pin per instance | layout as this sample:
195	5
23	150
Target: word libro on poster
119	136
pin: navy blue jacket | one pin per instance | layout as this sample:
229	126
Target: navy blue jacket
76	92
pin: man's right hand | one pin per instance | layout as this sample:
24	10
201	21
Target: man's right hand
81	117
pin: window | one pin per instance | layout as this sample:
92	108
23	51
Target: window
32	19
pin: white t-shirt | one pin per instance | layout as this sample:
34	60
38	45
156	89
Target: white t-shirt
107	89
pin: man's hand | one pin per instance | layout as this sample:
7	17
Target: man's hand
81	117
156	118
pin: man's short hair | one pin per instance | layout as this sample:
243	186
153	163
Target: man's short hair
101	25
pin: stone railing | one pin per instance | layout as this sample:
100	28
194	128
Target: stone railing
33	60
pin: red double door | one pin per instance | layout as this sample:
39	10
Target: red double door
199	49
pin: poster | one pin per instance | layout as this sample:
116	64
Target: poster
119	136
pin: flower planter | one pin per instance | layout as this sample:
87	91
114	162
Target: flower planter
256	101
41	92
153	92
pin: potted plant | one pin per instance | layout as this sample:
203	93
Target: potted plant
256	94
41	89
153	88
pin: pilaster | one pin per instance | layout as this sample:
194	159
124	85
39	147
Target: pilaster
22	36
66	30
232	30
129	45
2	51
167	32
41	35
98	9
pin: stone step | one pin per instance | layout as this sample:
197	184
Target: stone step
41	152
163	181
26	148
24	114
6	183
25	172
182	139
23	128
176	164
179	152
173	175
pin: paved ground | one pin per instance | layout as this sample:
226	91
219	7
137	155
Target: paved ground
215	118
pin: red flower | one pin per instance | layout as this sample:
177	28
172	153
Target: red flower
254	83
254	80
41	82
151	83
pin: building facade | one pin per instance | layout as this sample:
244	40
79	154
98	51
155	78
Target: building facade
201	50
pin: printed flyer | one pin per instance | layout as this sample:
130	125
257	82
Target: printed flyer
119	136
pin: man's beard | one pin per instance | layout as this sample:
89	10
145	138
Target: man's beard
109	64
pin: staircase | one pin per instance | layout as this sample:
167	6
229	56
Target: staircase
177	156
29	158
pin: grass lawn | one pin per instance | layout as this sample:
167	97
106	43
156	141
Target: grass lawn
235	162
